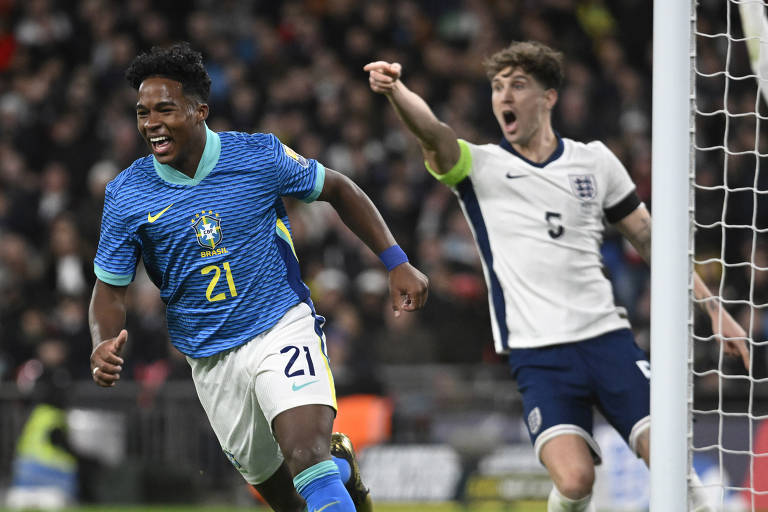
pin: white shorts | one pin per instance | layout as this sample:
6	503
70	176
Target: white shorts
243	389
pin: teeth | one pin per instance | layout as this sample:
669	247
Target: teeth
157	139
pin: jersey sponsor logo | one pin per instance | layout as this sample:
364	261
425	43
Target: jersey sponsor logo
515	176
207	228
294	387
534	420
300	159
584	186
152	218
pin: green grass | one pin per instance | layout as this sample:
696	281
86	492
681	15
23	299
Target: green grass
379	507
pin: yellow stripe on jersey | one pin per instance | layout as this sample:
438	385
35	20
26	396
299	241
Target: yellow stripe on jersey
460	169
282	232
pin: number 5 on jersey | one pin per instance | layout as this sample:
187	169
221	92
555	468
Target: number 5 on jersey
215	279
554	221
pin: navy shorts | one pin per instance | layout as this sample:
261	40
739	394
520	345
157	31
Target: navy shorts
561	383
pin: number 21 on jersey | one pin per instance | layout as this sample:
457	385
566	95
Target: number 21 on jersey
215	279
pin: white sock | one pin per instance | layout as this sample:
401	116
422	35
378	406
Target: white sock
698	500
559	503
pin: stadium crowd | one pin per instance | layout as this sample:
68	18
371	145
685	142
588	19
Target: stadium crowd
294	68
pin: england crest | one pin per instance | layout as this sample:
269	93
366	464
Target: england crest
584	186
207	229
534	420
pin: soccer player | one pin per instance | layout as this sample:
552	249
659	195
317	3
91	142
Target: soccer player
536	203
204	211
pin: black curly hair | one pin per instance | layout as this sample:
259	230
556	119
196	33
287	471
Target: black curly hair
178	62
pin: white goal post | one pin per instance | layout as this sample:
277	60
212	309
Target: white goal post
710	209
670	270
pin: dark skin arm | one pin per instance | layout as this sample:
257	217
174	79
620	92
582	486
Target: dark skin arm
106	317
407	286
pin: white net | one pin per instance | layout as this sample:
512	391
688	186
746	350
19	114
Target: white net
728	437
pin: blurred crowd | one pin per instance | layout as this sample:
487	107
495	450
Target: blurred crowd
294	68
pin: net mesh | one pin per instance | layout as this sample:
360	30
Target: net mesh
728	437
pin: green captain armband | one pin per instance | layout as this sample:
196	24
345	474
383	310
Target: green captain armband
460	169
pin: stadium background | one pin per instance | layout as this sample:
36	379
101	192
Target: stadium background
294	68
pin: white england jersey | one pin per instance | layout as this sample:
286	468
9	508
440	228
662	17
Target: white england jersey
539	228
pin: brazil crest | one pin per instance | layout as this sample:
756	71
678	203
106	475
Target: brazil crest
208	231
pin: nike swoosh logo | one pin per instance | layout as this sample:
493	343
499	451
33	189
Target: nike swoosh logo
152	218
296	388
513	176
328	505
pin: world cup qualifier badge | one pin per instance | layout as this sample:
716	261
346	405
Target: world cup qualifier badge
584	186
207	227
292	154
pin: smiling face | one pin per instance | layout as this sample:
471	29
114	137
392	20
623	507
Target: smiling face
171	123
521	105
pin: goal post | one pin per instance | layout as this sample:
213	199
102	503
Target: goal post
710	210
671	246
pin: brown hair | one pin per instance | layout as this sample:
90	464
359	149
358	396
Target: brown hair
536	59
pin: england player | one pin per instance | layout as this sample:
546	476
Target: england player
204	212
536	203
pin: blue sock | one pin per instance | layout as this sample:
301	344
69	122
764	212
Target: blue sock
345	471
321	488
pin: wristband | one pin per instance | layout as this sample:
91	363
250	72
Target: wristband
393	257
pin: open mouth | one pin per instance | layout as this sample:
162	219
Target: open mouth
160	144
509	117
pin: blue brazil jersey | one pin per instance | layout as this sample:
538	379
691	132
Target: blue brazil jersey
218	246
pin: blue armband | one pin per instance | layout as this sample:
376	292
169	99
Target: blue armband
393	257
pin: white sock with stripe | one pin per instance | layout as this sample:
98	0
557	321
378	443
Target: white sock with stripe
559	503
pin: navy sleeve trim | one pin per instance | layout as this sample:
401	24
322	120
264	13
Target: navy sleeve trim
623	208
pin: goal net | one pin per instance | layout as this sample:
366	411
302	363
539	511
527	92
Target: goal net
728	434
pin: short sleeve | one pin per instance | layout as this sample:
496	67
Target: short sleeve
297	176
118	252
618	183
460	169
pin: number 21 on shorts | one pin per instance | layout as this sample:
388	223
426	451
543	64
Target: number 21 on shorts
295	352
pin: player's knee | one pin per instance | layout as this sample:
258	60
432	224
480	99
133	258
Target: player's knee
575	482
643	445
300	458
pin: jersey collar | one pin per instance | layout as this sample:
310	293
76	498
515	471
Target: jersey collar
207	162
557	153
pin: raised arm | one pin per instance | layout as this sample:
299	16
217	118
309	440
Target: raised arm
636	227
106	317
407	286
437	139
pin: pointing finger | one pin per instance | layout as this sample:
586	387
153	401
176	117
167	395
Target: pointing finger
378	65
